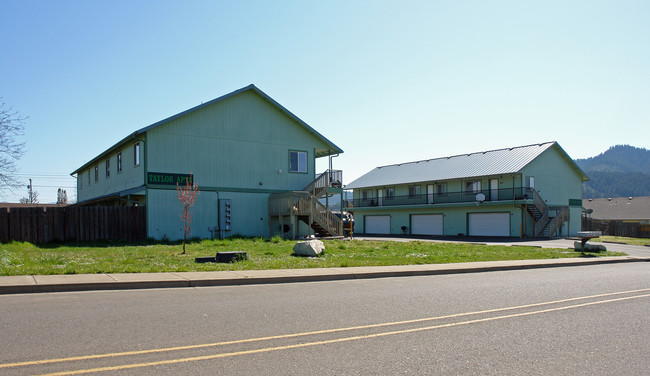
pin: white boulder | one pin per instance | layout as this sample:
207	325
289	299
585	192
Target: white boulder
309	248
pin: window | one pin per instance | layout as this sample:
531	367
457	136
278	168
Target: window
390	192
298	161
88	177
96	173
136	154
441	189
119	161
365	194
108	167
81	180
530	182
473	186
414	191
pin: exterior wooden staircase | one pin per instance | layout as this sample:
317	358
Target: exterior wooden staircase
546	226
305	206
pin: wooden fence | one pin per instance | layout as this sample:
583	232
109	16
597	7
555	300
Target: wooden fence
73	223
616	228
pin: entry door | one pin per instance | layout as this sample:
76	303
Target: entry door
430	194
380	197
494	189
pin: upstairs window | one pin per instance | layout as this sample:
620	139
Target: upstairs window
108	167
530	182
136	154
366	194
390	192
96	173
119	161
473	186
441	189
88	177
298	161
414	191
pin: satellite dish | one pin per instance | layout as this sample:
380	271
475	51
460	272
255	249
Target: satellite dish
480	197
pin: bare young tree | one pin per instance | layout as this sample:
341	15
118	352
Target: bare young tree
187	195
32	198
12	126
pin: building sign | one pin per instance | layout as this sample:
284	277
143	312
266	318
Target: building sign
161	178
575	202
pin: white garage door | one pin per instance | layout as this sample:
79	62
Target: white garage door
377	224
426	224
489	224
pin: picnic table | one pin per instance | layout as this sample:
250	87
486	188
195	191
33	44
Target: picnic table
585	236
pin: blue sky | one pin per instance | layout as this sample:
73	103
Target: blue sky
387	81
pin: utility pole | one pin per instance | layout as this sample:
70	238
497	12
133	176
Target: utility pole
31	193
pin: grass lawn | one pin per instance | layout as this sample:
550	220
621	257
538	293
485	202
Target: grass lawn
620	239
25	258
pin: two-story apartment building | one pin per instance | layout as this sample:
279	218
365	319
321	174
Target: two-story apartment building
533	190
241	149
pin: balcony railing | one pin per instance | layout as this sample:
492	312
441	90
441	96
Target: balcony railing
504	194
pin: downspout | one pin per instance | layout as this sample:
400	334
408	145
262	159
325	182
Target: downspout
144	175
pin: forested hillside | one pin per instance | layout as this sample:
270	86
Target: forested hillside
621	171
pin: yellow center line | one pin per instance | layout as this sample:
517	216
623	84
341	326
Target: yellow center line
338	340
295	335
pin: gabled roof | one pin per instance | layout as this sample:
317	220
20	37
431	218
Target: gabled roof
332	149
486	163
619	208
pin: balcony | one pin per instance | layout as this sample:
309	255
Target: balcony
505	194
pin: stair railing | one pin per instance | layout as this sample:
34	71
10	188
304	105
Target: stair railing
561	217
542	222
326	219
310	206
329	178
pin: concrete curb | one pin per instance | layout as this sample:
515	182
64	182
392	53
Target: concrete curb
93	282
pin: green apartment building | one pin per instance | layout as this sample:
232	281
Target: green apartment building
533	191
252	159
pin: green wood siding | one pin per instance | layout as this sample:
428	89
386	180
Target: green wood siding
557	181
249	214
131	176
237	147
239	142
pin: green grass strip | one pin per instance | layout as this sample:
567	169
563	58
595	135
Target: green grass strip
88	258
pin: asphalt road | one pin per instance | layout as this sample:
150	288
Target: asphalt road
586	320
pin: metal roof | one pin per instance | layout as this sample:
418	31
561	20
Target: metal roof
486	163
619	208
334	149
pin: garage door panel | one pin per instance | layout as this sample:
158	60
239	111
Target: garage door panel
489	224
426	224
377	224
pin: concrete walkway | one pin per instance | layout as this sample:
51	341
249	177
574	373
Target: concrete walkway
85	282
